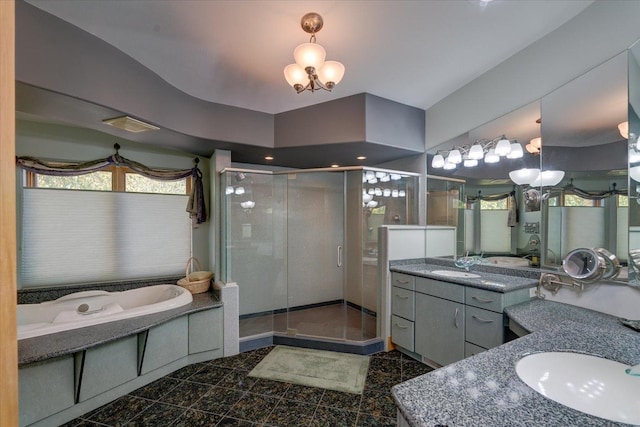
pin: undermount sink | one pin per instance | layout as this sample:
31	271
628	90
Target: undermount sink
589	384
454	273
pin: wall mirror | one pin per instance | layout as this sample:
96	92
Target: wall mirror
481	198
581	197
634	164
583	145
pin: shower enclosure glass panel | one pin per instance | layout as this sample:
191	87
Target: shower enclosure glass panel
315	255
254	247
302	247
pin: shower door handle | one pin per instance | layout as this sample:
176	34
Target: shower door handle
339	256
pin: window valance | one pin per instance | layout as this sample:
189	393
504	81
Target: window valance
195	207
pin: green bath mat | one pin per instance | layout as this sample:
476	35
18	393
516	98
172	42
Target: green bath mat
314	368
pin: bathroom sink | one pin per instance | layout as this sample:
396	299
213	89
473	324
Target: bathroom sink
454	273
589	384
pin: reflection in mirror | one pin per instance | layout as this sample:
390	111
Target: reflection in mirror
634	164
582	143
495	216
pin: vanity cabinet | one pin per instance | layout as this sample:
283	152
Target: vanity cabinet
442	322
439	335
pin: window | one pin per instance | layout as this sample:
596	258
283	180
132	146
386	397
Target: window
575	200
111	178
114	225
623	201
495	205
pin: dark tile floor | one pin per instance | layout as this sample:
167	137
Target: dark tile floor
220	393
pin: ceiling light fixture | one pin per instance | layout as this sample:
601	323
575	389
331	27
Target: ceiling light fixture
623	128
489	150
534	145
361	158
268	157
311	72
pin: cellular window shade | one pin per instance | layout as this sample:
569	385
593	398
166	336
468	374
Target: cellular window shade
87	236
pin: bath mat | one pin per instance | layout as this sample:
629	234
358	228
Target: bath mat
314	368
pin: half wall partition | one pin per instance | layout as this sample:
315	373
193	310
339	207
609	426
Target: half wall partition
302	247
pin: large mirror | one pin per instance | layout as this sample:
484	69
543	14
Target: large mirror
584	146
581	197
634	164
493	218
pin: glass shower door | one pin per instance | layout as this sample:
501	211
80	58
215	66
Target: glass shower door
315	256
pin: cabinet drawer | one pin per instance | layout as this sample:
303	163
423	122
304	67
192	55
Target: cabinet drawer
403	281
472	349
446	290
482	298
483	327
402	303
402	332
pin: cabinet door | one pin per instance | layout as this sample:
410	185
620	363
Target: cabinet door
439	329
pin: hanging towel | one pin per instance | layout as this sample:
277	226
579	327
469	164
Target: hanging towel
512	216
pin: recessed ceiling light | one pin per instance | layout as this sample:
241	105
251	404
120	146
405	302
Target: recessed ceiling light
335	165
361	157
268	157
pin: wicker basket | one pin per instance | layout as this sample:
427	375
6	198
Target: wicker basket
195	282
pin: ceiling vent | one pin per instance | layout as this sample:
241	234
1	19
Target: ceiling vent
130	124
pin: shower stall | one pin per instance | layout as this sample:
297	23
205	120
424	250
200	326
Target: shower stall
302	247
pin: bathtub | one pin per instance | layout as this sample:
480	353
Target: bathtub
88	308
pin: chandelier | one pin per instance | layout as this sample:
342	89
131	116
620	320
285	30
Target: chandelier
311	71
488	150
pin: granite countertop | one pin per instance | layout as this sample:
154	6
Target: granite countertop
37	349
493	278
485	389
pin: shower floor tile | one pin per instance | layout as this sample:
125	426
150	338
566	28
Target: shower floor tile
187	398
336	321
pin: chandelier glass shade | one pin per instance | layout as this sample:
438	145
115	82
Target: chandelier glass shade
488	150
310	71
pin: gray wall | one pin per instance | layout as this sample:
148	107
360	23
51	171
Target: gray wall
600	32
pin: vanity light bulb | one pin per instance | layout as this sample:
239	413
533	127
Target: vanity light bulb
373	180
503	147
402	193
372	204
476	152
386	192
469	163
239	191
454	157
369	175
380	175
516	151
229	190
491	157
371	191
394	193
449	166
437	162
385	178
634	156
366	198
396	177
378	192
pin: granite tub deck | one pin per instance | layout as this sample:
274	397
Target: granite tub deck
484	390
497	279
38	349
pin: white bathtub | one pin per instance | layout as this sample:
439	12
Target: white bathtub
93	307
